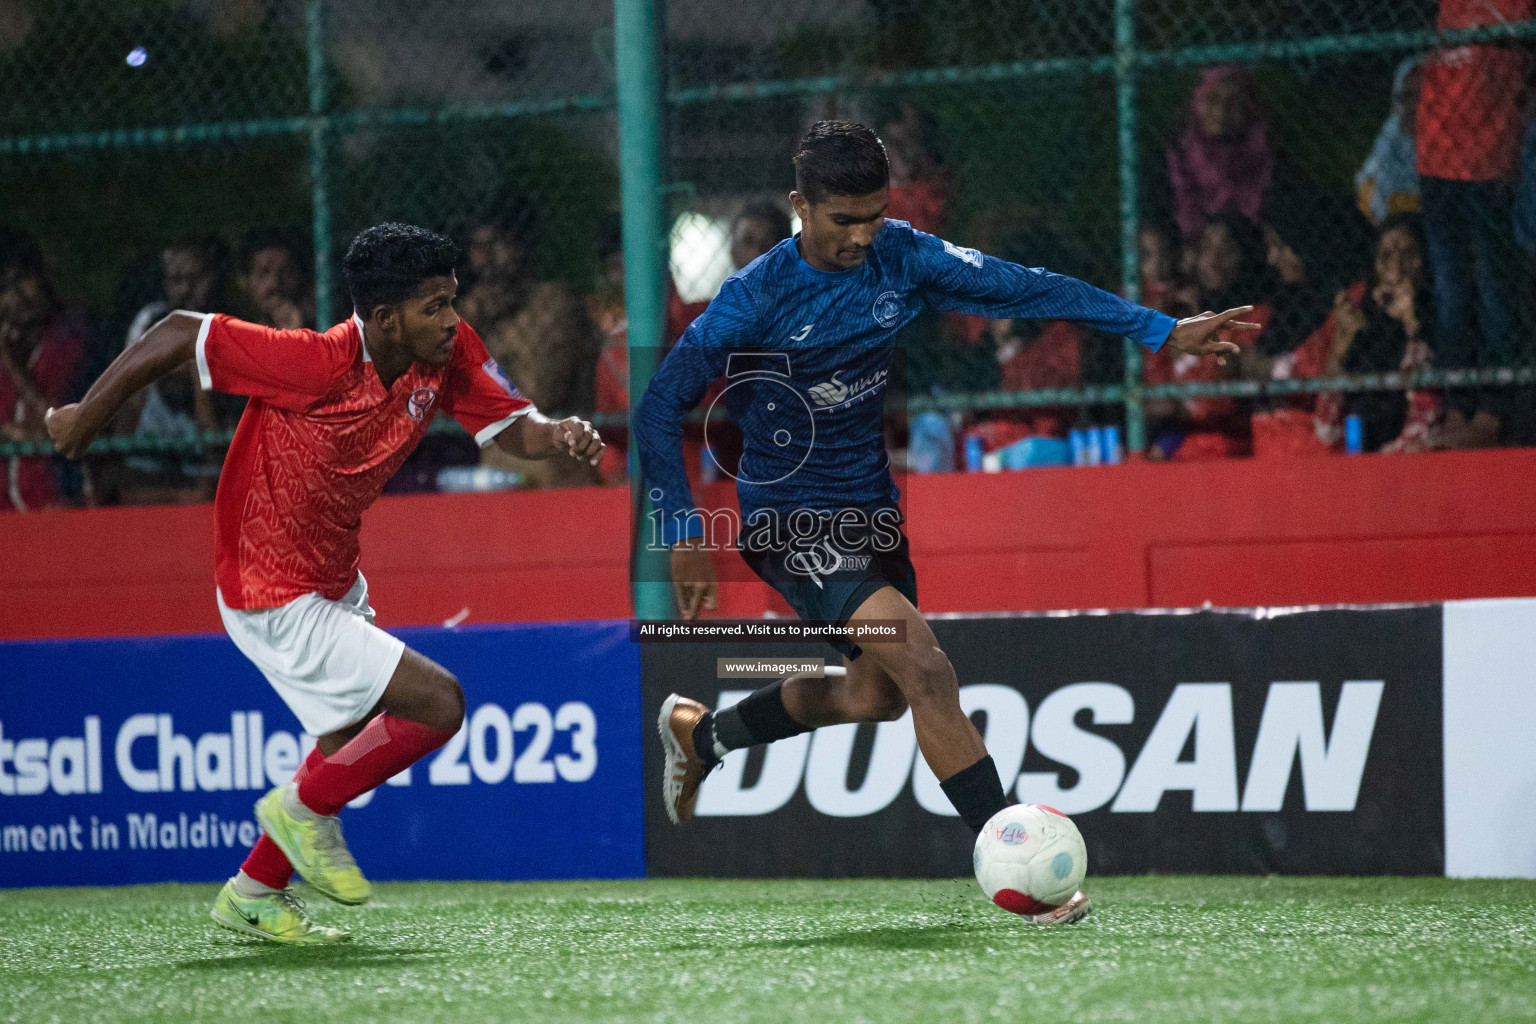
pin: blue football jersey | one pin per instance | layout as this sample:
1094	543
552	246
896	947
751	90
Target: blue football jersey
807	356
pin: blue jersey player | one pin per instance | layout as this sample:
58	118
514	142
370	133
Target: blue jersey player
804	338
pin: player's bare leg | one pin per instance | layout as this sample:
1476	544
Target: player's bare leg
946	736
828	700
422	707
860	692
864	692
878	686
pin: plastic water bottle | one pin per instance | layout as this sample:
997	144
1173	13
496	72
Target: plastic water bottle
1354	435
1095	446
460	479
975	451
1078	439
1113	453
930	445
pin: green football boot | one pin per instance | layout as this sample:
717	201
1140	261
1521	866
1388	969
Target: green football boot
315	849
279	917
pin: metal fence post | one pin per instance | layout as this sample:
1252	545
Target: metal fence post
1130	261
319	159
637	59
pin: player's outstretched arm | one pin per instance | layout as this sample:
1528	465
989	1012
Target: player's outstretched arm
164	347
536	436
966	281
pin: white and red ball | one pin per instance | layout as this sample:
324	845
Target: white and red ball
1030	858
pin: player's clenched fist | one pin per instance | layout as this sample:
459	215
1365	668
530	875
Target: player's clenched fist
579	439
64	430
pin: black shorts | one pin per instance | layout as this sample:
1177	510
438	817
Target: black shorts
826	579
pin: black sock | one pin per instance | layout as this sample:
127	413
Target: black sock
760	717
704	741
976	792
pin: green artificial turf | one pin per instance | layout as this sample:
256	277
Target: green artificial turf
1175	949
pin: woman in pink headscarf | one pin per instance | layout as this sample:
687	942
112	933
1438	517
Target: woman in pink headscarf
1221	162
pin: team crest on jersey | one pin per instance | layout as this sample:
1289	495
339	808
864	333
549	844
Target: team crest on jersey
888	309
420	402
499	376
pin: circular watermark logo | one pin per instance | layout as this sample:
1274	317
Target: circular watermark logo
794	427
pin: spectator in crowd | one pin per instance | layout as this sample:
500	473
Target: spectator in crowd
1468	131
1162	288
1388	181
193	274
42	347
276	284
1037	354
1017	355
607	309
1317	244
921	183
538	332
1525	190
761	225
1231	269
1221	161
1383	324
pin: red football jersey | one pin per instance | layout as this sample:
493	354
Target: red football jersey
1470	104
319	438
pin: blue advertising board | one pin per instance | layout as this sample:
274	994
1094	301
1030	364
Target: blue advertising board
139	760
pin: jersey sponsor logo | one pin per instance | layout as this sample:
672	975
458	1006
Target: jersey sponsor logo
829	392
804	332
499	376
888	309
420	402
971	256
835	392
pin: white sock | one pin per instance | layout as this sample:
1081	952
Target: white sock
294	806
248	887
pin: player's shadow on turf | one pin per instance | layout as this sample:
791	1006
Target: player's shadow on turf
342	956
935	936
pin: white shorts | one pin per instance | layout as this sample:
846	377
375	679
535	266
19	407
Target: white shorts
326	659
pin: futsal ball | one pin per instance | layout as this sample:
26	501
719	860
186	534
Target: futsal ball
1030	858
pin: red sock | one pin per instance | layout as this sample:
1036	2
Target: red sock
386	747
266	863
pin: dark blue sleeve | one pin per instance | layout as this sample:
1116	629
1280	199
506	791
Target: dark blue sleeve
695	361
965	281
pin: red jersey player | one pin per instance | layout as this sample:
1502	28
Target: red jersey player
331	417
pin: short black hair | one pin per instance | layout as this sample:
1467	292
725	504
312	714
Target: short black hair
259	239
1255	277
387	263
770	213
208	248
1409	221
840	158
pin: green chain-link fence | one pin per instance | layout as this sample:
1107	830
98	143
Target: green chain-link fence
1110	139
